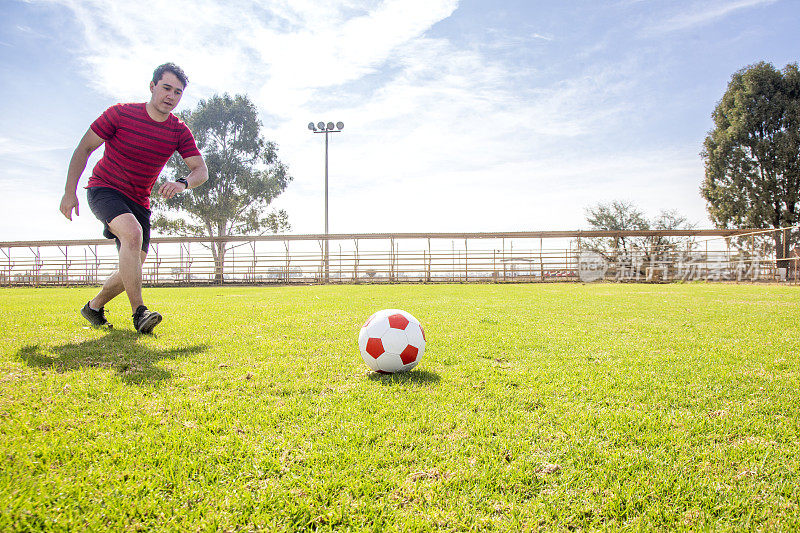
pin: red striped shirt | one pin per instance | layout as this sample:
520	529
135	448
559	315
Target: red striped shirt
137	148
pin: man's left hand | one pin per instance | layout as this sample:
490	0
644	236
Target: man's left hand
170	188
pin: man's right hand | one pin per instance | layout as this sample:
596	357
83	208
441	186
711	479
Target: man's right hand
68	203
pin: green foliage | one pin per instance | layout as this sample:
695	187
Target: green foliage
245	176
536	407
617	216
752	156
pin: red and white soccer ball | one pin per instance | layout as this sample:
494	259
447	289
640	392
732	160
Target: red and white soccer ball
392	341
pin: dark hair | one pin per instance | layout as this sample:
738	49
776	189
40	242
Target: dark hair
170	67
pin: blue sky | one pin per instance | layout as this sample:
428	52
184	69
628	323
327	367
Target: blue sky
459	115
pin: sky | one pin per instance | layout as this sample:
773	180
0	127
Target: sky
460	115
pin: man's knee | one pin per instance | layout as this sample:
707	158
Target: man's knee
128	230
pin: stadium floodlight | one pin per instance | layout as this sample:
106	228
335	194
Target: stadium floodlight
330	127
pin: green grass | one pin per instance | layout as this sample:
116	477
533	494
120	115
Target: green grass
550	407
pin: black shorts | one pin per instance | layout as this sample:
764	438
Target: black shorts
107	204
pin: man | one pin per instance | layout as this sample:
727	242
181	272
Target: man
139	140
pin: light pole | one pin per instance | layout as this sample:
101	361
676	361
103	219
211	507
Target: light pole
330	127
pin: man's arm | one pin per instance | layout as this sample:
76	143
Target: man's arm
197	176
89	143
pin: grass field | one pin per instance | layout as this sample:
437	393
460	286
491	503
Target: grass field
549	407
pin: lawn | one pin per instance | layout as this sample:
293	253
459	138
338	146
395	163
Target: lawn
535	407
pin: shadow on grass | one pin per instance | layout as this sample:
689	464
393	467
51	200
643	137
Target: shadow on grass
415	377
117	350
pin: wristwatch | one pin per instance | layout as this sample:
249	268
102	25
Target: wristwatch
183	180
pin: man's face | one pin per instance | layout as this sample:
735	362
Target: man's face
166	93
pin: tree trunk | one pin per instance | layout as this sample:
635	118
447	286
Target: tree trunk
219	262
783	254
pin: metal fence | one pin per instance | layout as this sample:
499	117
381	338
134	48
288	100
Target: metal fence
645	256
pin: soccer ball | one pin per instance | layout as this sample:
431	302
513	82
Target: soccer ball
392	341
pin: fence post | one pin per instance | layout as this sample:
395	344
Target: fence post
286	272
253	248
157	278
340	263
785	252
504	258
8	256
65	251
96	272
466	261
511	255
35	276
321	270
541	261
391	259
429	259
356	260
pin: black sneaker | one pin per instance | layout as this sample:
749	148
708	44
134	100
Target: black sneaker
145	320
97	318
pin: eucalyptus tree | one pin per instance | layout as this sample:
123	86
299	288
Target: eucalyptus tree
752	156
245	177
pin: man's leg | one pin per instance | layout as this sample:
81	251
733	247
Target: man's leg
129	276
112	288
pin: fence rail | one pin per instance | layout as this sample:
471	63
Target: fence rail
716	255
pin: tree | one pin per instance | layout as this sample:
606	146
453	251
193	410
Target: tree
625	216
616	216
244	177
752	156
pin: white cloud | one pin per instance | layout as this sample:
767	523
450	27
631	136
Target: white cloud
448	109
283	52
705	13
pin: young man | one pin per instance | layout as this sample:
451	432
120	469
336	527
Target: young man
139	140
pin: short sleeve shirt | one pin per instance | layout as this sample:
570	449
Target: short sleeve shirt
136	149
